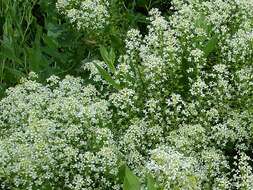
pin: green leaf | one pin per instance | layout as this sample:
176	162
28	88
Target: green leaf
12	74
211	45
51	48
53	30
108	57
122	171
131	181
50	42
7	51
112	57
150	182
36	59
107	77
117	42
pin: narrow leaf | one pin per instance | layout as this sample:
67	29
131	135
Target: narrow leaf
112	56
108	58
107	77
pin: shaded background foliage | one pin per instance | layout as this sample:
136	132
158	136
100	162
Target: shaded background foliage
35	37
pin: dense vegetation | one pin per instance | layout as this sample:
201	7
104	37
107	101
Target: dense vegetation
114	94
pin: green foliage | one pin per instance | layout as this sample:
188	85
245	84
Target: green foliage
164	87
107	77
35	38
211	45
131	181
150	183
108	57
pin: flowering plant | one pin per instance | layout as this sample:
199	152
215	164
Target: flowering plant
177	106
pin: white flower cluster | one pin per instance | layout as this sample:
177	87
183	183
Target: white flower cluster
90	15
94	73
183	111
174	170
56	135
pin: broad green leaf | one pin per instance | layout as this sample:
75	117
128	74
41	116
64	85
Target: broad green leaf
107	77
211	45
131	181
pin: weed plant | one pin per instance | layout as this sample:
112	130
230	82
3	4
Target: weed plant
171	110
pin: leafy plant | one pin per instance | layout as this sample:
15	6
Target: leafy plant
35	38
132	182
174	103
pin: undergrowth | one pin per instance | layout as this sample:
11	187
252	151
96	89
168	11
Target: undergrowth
150	95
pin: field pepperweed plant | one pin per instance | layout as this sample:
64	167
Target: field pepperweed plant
177	107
